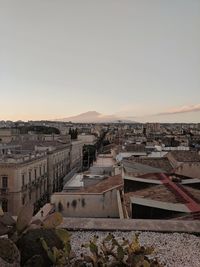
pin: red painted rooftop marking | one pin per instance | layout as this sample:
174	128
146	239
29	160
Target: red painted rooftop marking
192	205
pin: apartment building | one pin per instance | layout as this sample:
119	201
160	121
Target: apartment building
76	155
58	155
87	139
58	166
8	135
31	171
23	178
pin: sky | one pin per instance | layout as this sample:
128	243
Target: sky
136	59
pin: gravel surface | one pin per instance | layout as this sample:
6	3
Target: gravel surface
171	250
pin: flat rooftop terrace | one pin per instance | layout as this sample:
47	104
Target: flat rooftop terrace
75	181
104	161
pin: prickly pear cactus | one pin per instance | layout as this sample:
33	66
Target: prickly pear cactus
35	261
7	223
9	253
29	244
24	218
53	220
3	229
7	219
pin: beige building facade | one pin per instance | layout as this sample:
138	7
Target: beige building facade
58	167
8	135
34	176
76	155
23	180
58	155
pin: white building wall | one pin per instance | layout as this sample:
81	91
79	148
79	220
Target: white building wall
87	205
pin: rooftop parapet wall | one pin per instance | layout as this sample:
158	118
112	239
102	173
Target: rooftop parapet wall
92	224
18	159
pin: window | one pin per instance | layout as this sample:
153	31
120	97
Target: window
40	170
4	205
44	169
4	181
23	180
29	175
23	200
35	173
29	195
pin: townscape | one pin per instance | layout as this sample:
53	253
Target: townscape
104	176
116	170
100	133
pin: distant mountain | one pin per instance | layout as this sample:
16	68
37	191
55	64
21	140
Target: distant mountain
95	117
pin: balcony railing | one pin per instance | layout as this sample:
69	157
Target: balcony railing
4	191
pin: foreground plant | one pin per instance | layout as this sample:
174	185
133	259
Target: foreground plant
9	253
41	244
16	230
111	252
63	256
108	253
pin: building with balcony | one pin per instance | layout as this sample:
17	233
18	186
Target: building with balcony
58	154
30	171
23	178
76	155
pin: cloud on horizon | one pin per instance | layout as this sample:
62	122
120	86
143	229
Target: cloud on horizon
183	109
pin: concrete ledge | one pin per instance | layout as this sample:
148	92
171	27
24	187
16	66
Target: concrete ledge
131	225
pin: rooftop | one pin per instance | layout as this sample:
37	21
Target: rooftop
160	163
157	192
193	192
135	147
143	179
21	158
185	156
106	184
160	204
189	217
30	145
75	181
168	192
104	161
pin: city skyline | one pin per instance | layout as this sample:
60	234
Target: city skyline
132	59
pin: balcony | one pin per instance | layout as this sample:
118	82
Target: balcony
44	175
4	191
24	187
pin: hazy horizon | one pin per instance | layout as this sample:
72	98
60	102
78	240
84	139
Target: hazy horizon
138	59
100	118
